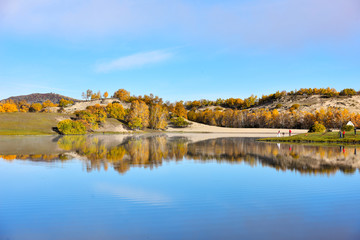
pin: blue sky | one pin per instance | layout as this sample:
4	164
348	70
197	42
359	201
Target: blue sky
178	49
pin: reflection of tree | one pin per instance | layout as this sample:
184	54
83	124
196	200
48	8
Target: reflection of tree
150	151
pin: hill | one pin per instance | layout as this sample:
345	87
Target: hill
313	103
39	98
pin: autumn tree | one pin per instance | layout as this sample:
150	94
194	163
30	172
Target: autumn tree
35	107
106	94
87	95
158	116
23	106
65	103
48	103
138	117
122	94
115	110
98	111
96	96
180	110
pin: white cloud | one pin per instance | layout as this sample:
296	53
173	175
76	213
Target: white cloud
136	195
135	61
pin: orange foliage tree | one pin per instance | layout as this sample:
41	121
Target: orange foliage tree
122	94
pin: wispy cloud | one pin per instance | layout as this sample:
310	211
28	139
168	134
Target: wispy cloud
136	195
134	61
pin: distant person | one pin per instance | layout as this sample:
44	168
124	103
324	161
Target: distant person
344	134
283	134
340	134
289	132
355	131
278	135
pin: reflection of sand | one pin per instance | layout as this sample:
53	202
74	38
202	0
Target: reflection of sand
238	132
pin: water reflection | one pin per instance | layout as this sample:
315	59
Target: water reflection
149	151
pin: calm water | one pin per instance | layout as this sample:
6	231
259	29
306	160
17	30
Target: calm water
176	187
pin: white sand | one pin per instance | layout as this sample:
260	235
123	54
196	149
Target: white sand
243	132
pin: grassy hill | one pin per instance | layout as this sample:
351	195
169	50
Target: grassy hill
29	123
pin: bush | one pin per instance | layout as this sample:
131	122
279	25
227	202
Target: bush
295	106
88	118
317	127
348	92
348	128
71	127
180	122
36	107
279	105
65	103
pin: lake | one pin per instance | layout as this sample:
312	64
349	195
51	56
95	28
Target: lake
176	186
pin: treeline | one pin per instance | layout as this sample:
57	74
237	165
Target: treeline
239	103
264	118
24	106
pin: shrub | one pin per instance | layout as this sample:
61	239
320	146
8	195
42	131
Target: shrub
71	127
348	92
317	127
36	107
295	106
279	105
180	122
347	128
88	119
65	103
135	123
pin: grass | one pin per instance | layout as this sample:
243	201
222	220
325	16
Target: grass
29	123
328	137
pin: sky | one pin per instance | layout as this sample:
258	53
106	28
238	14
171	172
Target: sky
178	49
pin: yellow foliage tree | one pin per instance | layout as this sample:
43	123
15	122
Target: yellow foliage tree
106	94
158	116
180	110
35	107
48	103
115	110
138	117
9	106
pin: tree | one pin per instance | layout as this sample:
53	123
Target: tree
96	96
348	92
23	106
158	116
138	117
9	106
115	110
87	118
98	111
122	94
87	95
48	103
180	110
65	103
106	94
35	107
